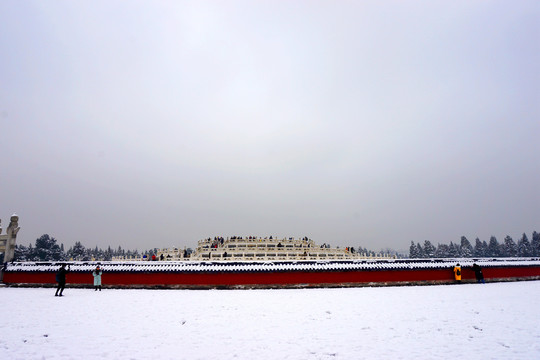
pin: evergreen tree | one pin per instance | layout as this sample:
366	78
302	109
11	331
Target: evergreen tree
108	254
47	249
493	247
509	247
419	251
413	253
77	252
23	253
454	250
97	254
479	249
443	251
31	255
466	248
429	249
535	244
87	254
524	246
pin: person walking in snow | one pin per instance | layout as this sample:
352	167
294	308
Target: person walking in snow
61	279
97	278
457	272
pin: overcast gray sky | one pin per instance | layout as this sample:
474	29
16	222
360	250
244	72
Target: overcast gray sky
158	123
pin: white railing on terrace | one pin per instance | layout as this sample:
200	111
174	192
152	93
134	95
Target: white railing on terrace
282	255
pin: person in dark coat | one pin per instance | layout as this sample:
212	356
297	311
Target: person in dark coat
61	279
478	273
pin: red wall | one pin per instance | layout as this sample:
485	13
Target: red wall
303	278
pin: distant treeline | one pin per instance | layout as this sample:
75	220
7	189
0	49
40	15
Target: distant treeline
508	248
46	248
366	252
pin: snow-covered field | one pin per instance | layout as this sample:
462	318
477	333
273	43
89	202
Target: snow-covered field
469	321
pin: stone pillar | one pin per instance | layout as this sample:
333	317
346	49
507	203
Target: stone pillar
11	238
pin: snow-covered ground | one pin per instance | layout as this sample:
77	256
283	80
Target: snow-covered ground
470	321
